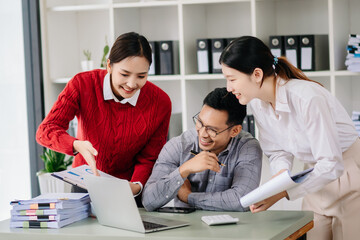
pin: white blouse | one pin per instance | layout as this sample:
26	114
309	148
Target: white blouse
310	124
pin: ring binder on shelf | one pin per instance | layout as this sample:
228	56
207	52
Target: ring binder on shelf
169	63
292	49
204	55
229	40
276	44
251	124
307	55
217	46
154	67
314	52
245	125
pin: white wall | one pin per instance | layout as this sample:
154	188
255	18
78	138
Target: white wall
14	147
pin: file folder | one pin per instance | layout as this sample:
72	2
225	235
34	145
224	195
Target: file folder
251	124
229	40
292	49
314	52
277	47
217	46
169	57
154	67
245	125
204	55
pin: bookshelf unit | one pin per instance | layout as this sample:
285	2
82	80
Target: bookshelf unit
70	26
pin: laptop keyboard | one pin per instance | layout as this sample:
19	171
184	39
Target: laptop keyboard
151	225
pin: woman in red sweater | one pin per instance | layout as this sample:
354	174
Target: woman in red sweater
123	119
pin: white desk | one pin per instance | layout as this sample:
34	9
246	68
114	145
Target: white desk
264	225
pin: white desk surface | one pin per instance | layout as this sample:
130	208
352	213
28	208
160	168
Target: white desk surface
264	225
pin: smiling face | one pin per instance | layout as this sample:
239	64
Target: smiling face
245	87
215	120
128	76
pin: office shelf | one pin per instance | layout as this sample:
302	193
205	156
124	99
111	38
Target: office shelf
346	73
70	26
78	8
217	76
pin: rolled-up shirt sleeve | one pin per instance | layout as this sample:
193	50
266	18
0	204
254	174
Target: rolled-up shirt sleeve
165	179
246	177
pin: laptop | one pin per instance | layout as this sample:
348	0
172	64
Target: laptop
115	206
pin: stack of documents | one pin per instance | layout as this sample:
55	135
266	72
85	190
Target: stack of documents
52	210
356	119
352	61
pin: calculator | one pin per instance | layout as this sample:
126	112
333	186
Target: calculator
219	219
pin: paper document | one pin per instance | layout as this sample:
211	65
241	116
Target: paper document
274	186
52	201
48	224
75	176
45	212
46	218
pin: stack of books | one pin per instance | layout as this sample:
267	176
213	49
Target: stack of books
352	61
53	210
356	119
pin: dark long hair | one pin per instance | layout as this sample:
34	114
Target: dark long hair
247	53
130	44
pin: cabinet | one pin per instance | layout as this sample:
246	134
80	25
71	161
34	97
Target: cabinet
70	26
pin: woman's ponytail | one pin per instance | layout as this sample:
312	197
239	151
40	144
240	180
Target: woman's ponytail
247	53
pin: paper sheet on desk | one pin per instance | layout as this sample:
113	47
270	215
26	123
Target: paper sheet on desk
274	186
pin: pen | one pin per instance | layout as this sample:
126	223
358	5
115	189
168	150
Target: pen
196	153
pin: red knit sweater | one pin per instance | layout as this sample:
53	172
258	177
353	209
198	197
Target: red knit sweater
128	139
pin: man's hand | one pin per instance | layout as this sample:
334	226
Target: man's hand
184	191
203	161
135	188
86	149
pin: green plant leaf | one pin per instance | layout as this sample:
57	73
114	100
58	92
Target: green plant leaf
87	54
55	161
49	166
106	49
103	59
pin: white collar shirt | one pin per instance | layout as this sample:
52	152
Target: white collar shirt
308	123
109	95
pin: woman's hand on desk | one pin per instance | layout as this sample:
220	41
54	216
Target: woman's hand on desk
86	149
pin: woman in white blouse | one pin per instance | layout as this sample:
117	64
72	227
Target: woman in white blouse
298	117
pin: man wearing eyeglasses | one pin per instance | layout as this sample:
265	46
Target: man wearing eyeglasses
210	167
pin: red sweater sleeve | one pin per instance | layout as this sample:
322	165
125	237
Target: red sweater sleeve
51	132
146	158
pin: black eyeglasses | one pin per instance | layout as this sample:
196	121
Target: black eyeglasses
199	125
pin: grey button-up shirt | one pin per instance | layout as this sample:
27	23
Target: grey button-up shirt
210	190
